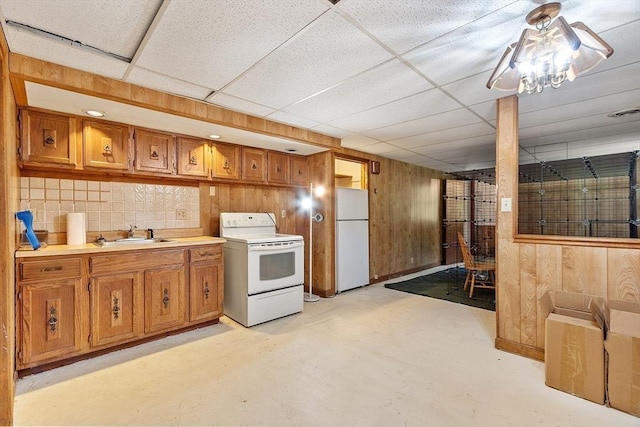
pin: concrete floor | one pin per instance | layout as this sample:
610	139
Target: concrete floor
368	357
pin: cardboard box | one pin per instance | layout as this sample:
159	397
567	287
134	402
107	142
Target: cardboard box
574	344
622	346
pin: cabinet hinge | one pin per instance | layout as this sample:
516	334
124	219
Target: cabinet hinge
20	296
89	286
20	355
89	338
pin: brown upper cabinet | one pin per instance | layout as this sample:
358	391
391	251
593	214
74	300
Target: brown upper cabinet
48	139
278	168
155	151
253	164
299	170
226	161
193	157
106	146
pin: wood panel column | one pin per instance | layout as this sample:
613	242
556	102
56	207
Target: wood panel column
507	252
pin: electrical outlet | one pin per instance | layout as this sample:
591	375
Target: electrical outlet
181	214
411	260
284	213
375	277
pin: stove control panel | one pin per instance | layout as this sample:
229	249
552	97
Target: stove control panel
247	220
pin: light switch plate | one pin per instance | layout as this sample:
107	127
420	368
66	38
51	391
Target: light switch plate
505	204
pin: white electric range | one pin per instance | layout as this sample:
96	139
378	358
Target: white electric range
263	270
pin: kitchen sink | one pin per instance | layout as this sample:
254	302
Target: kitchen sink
130	241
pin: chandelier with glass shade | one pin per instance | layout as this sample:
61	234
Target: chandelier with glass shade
548	55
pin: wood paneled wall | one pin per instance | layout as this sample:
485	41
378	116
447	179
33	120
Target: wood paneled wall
9	186
528	266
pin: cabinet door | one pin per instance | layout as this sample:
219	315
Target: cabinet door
50	321
48	138
226	161
164	294
115	308
299	171
205	291
253	164
106	146
193	157
155	152
278	168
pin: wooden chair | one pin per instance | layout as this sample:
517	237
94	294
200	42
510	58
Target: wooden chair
473	267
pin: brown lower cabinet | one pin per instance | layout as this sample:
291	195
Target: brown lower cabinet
68	306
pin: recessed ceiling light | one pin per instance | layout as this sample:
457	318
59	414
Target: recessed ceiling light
94	113
214	136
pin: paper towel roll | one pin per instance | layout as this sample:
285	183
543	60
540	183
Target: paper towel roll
76	229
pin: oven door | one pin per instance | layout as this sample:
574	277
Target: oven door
274	265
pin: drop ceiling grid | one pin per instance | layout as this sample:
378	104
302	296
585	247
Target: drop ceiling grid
237	104
200	43
327	52
599	135
381	85
413	107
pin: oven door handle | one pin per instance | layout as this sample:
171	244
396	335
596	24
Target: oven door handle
276	247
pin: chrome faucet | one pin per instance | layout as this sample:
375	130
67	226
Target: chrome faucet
132	229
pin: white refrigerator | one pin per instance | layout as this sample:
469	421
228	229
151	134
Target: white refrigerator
352	238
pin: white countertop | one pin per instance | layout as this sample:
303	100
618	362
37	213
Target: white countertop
178	242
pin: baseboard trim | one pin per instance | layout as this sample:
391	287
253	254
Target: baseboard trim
520	349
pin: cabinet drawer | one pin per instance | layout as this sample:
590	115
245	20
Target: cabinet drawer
50	269
210	253
142	260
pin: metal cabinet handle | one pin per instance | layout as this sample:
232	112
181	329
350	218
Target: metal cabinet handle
206	290
116	309
58	268
53	319
165	299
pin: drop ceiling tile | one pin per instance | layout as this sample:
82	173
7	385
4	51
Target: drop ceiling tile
141	77
356	141
599	148
624	40
240	105
210	43
327	52
331	131
486	110
403	25
383	84
400	154
473	90
378	148
437	165
64	54
115	26
588	110
291	119
430	102
447	135
603	129
447	120
594	84
472	48
486	142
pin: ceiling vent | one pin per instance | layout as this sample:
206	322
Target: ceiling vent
625	113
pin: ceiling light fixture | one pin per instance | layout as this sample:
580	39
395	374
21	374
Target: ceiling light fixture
214	136
548	55
94	113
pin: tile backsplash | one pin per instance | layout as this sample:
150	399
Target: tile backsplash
109	206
